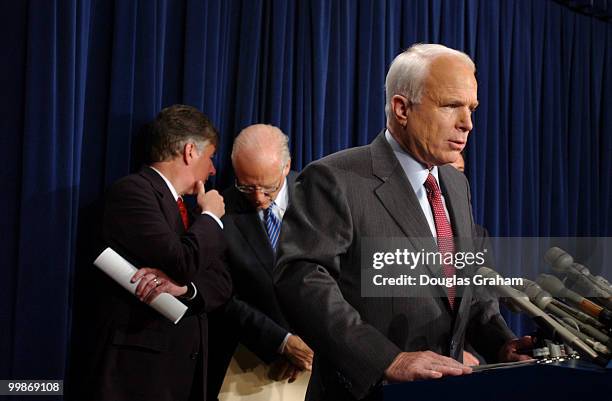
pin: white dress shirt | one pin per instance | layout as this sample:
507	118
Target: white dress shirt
176	195
417	174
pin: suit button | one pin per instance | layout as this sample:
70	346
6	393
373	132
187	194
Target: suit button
194	355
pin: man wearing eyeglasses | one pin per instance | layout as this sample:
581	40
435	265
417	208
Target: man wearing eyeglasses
255	207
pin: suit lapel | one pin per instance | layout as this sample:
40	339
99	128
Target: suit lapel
255	234
460	215
166	200
397	197
462	230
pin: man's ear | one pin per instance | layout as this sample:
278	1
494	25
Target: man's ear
287	168
189	152
400	108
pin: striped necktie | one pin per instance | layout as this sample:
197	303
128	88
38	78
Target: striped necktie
444	231
273	225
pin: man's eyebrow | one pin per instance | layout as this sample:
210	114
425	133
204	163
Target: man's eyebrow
456	101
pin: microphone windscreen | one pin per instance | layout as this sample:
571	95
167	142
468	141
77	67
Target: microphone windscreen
551	284
558	259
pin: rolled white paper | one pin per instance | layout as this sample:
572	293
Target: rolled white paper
120	270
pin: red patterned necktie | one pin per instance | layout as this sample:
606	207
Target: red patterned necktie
183	212
444	232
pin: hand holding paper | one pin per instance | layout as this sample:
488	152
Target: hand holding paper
152	282
122	271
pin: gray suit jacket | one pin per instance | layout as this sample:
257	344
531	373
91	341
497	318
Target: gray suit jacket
338	201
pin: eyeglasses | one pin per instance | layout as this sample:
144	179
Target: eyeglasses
249	189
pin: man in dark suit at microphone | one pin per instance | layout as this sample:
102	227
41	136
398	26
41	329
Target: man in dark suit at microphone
138	354
398	186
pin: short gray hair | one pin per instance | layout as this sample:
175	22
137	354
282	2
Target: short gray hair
177	125
249	139
409	69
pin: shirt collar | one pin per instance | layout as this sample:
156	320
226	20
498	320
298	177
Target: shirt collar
415	171
281	202
282	199
168	183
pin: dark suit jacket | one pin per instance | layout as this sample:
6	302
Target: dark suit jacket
253	316
338	202
138	354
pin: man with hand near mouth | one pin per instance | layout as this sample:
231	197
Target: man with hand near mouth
138	354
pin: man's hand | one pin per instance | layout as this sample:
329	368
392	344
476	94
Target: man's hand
469	359
509	351
153	282
409	366
210	201
298	353
281	369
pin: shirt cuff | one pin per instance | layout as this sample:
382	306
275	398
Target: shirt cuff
191	297
214	217
281	348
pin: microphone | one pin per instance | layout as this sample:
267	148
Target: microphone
597	280
597	346
556	256
583	317
553	285
582	285
538	315
536	294
603	283
547	303
563	264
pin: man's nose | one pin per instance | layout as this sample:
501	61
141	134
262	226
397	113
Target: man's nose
259	196
465	120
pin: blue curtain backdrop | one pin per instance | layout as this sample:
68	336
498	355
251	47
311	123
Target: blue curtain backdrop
80	78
